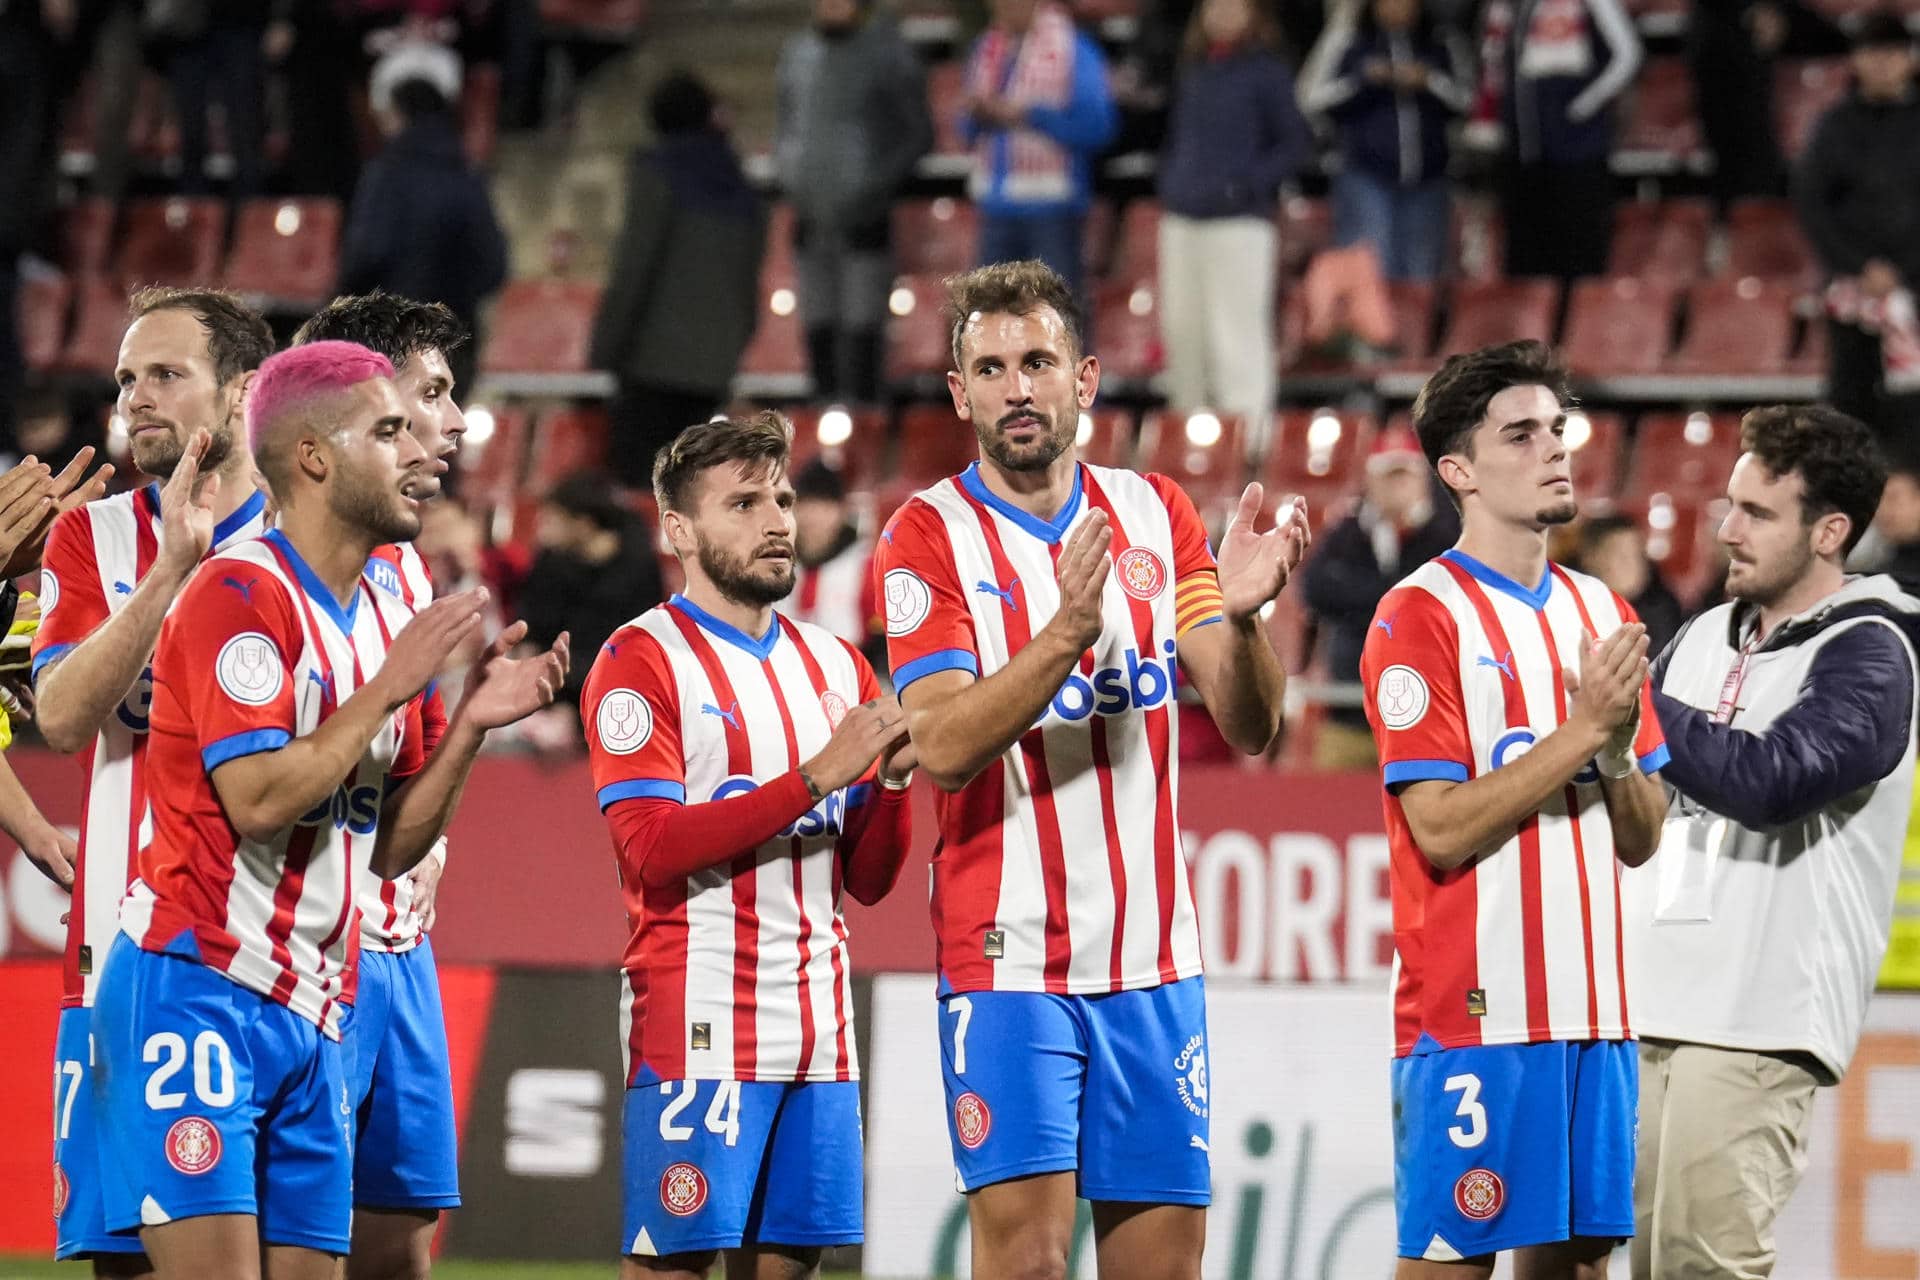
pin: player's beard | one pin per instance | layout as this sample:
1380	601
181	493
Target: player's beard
1036	455
373	504
1562	511
1763	584
158	455
749	580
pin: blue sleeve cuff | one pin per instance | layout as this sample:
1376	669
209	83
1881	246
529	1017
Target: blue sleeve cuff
642	789
47	655
1403	771
1655	760
250	743
933	663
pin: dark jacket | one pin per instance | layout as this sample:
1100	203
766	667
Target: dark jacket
1568	119
1858	186
589	601
683	295
1235	135
423	224
1391	134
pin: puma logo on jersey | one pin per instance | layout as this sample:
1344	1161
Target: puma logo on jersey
993	589
731	715
244	588
1504	665
1386	625
121	588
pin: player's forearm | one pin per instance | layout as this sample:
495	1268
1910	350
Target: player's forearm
1636	808
960	734
1244	687
265	793
1453	823
666	842
416	816
79	690
880	843
19	816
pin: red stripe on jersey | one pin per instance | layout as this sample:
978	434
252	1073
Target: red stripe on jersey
746	918
1619	934
842	1051
1033	750
809	595
1532	922
804	988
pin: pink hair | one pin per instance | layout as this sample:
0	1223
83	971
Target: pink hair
301	374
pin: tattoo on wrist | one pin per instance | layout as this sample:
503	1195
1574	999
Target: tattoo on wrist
813	788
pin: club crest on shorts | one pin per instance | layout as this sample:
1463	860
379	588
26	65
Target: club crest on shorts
834	707
1143	574
1479	1194
971	1120
683	1190
61	1191
193	1145
1190	1075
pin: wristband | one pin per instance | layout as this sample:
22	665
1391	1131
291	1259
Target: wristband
887	784
1615	764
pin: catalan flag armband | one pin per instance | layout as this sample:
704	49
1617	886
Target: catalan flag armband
1196	601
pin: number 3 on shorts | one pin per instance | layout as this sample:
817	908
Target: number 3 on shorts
1471	1110
212	1070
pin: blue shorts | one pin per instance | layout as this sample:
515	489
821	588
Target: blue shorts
405	1150
214	1099
79	1213
1503	1146
715	1164
1112	1086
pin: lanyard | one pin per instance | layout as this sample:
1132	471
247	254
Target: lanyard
1737	676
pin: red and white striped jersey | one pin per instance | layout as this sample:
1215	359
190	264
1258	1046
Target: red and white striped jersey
740	972
1463	673
1059	868
259	653
95	557
838	594
388	920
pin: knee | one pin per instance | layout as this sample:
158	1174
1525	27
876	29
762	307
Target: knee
1034	1253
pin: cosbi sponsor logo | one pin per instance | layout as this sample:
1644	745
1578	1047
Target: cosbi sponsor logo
971	1120
1190	1075
136	708
1479	1194
355	809
828	818
683	1190
193	1145
1517	742
1139	683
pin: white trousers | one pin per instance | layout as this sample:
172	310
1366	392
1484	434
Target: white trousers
1216	313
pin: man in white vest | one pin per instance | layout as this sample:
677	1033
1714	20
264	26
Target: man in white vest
1754	935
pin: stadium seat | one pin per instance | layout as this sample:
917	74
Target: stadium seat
480	113
541	327
775	361
1105	438
492	469
1202	450
1679	539
1317	452
1736	327
1136	250
1802	93
1096	241
287	251
1126	327
1618	327
1661	130
1413	317
595	19
565	441
86	236
99	320
1662	240
1594	443
853	439
1686	456
934	236
1485	312
1306	227
779	255
172	241
44	301
947	100
918	343
1764	239
934	444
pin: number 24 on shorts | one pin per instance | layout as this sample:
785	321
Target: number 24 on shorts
723	1113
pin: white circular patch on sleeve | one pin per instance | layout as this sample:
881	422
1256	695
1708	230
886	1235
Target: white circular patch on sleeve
249	669
908	600
49	593
624	722
1401	697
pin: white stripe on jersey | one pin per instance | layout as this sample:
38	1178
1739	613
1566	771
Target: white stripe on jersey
380	899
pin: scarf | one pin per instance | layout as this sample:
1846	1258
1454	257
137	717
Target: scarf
1034	70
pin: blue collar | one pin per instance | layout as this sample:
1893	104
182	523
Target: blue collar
761	649
1048	531
242	515
1534	599
318	591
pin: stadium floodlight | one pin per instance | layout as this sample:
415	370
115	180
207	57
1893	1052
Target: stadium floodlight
1699	429
1324	432
480	425
781	303
836	427
1579	430
901	301
1660	512
286	219
1203	429
1140	301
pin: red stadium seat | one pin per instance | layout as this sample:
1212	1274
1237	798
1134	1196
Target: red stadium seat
1661	129
286	250
947	101
1687	456
1096	241
173	241
1319	452
918	343
1661	240
1764	239
86	236
854	440
1412	317
542	327
1105	438
99	321
1802	93
1618	327
1595	449
779	255
1126	330
777	354
1204	451
934	236
480	113
1136	250
492	470
566	441
599	19
1736	327
1485	312
934	444
1679	538
44	302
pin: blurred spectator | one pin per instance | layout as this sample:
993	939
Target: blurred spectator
593	570
683	294
1858	194
317	52
1219	191
1614	549
852	123
1391	80
1038	115
45	428
453	541
423	224
832	587
1396	528
110	62
1732	48
214	52
29	30
1551	71
1892	542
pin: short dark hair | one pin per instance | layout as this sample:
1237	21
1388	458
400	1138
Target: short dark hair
1836	457
394	326
1016	288
416	96
761	443
591	495
680	103
1455	399
820	479
238	338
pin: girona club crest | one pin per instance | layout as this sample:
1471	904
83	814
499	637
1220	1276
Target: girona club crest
971	1120
1479	1194
683	1190
835	708
193	1145
1143	575
61	1191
